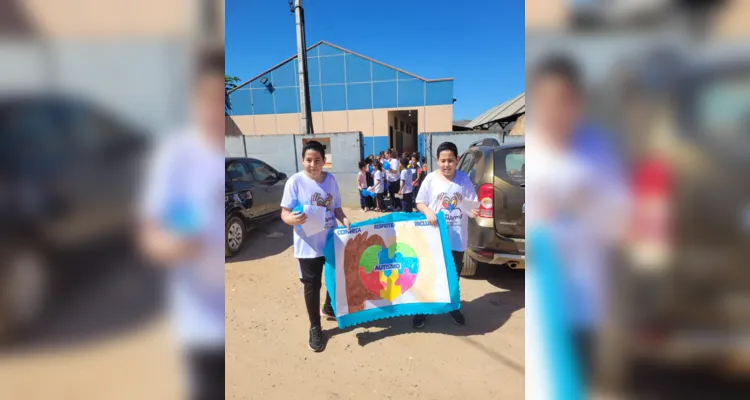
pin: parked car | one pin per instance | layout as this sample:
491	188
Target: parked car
68	174
497	235
687	279
253	191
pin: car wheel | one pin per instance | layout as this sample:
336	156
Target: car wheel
470	265
24	284
235	236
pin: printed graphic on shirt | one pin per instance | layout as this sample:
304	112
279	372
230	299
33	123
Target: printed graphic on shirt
449	207
319	201
327	202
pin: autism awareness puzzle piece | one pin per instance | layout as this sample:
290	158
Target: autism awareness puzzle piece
389	272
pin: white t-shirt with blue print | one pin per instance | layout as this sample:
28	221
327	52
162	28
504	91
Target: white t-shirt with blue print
303	190
446	196
183	194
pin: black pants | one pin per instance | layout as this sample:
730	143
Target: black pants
407	202
393	189
583	341
206	373
458	257
381	201
311	270
362	200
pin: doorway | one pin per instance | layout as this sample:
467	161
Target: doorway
403	130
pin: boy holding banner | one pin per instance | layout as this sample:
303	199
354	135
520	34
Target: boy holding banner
451	192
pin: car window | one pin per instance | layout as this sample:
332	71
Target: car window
510	165
470	164
239	172
723	107
262	171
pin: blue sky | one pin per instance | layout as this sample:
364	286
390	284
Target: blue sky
479	43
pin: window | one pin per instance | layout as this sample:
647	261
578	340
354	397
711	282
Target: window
402	126
395	123
510	165
262	171
722	107
237	171
468	164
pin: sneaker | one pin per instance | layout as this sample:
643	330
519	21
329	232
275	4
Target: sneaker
363	210
316	339
328	314
458	317
418	321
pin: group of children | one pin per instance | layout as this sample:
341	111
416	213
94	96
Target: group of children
389	175
313	186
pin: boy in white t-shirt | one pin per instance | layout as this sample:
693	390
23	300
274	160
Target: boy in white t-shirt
378	186
315	187
443	191
393	178
406	190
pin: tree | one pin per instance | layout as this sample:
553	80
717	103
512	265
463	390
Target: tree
230	82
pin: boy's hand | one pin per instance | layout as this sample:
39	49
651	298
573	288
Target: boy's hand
347	223
298	218
431	217
474	213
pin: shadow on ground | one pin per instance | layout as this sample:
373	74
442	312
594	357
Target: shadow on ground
484	315
269	238
103	293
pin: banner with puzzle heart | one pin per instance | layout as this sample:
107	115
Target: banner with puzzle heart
390	266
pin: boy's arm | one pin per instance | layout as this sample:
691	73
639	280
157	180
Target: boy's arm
155	240
341	216
337	210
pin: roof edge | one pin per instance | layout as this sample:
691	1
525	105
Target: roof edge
318	43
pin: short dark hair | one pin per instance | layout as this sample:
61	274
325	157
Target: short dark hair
447	146
558	66
315	146
415	155
211	61
362	164
368	161
376	165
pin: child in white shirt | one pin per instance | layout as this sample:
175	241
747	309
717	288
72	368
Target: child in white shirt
314	187
443	191
406	190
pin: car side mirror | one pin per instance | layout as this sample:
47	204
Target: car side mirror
281	176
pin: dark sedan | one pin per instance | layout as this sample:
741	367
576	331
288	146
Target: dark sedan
253	191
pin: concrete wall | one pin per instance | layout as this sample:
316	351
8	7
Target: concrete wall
372	123
279	151
234	146
282	153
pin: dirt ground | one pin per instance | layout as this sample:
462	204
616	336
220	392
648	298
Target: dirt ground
268	356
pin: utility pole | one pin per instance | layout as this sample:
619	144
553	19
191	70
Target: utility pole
306	126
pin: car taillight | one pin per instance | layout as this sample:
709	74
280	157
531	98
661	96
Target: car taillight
653	187
486	196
